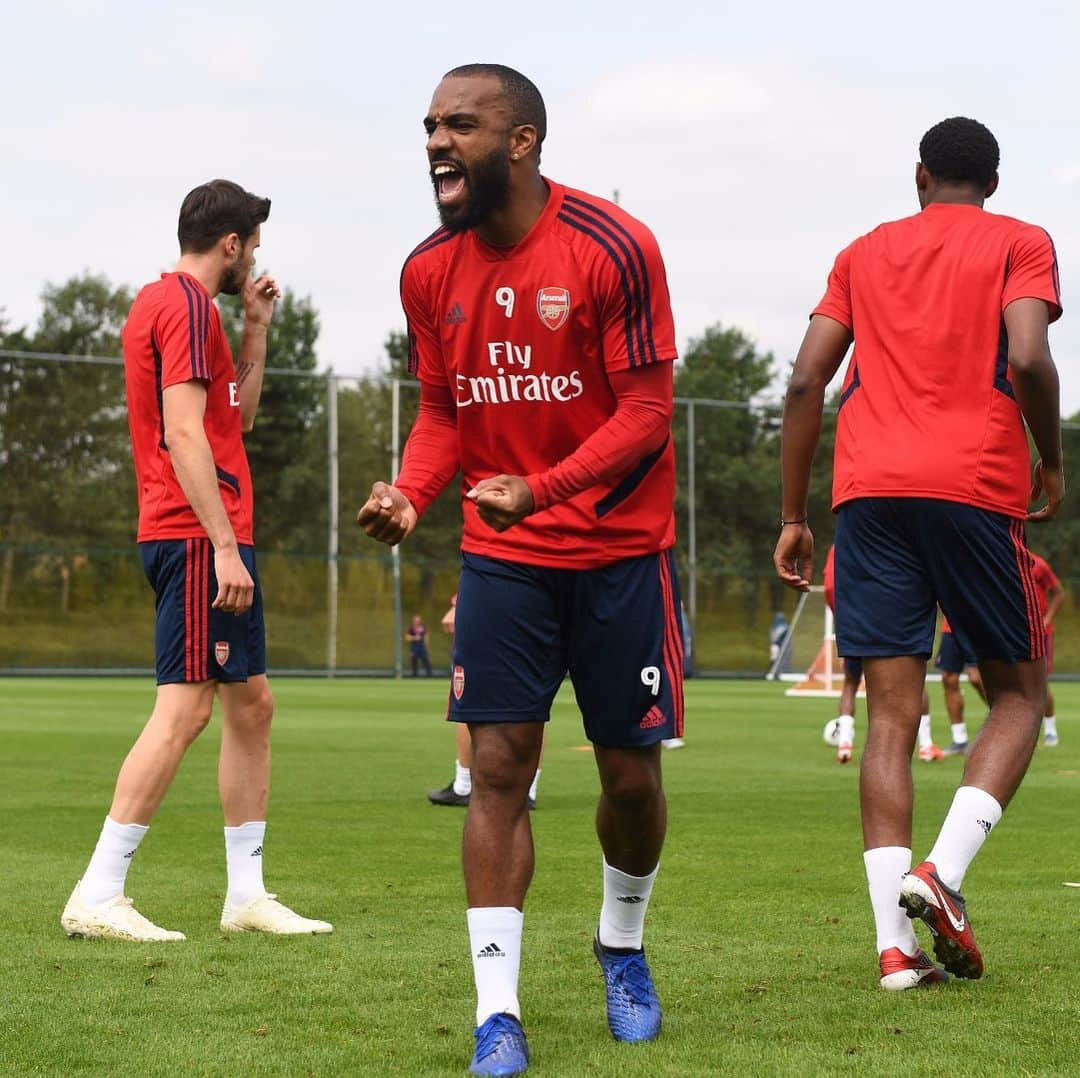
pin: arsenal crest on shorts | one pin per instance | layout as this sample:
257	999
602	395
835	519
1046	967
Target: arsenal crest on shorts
221	651
553	306
458	682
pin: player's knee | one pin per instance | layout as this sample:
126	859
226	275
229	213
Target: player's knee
256	712
185	724
498	768
632	785
263	708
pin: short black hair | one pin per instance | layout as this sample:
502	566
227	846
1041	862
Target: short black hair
216	209
526	104
959	150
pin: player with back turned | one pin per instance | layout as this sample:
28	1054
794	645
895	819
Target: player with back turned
948	310
541	332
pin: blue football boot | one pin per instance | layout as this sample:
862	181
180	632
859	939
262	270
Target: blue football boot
633	1010
500	1047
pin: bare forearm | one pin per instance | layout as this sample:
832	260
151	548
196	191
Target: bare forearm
1038	393
249	372
193	463
800	431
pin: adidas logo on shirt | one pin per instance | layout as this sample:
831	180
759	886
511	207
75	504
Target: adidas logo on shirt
455	316
490	951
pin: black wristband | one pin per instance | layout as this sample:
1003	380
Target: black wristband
784	523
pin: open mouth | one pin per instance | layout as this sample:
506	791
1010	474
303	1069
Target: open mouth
449	182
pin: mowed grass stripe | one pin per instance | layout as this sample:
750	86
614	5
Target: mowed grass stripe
759	932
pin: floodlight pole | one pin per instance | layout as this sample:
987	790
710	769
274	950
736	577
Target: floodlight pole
395	551
332	546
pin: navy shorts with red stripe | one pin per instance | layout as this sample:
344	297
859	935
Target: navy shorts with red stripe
898	558
194	642
520	629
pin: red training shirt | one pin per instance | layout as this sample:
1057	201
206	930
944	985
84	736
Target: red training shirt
830	579
525	338
927	407
173	334
1045	580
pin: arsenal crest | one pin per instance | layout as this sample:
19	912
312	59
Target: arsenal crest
553	306
458	682
221	652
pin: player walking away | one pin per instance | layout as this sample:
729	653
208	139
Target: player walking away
948	310
1051	595
952	661
187	408
542	335
844	724
416	635
456	793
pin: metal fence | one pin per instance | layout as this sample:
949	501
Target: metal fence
72	595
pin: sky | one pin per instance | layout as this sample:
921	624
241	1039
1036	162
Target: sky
755	140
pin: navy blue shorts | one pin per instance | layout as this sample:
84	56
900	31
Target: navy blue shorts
951	657
616	630
192	641
897	559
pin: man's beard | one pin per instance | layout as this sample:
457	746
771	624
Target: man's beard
487	186
233	278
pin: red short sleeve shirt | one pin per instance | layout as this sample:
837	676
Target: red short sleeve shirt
1045	581
173	334
927	407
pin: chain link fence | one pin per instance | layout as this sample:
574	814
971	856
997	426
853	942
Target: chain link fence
73	598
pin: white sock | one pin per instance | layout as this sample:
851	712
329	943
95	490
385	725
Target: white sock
462	780
495	938
1050	725
105	875
971	817
535	784
845	729
885	867
626	900
959	733
925	737
243	859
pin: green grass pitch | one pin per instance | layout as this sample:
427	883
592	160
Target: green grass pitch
759	934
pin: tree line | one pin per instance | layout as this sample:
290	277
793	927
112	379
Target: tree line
68	486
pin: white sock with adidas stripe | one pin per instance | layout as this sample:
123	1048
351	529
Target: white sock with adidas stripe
105	875
622	915
495	941
972	816
243	859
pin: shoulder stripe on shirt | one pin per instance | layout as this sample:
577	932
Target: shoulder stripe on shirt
158	391
636	261
628	271
634	354
440	235
199	367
